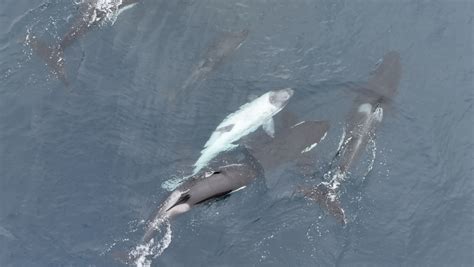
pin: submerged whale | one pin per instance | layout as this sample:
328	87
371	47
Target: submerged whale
364	118
91	13
217	53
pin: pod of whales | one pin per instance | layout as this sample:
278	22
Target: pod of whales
221	179
265	152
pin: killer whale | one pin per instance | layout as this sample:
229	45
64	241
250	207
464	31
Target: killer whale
203	187
216	54
364	118
89	16
244	121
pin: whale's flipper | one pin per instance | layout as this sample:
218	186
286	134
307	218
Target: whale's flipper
53	56
327	200
269	127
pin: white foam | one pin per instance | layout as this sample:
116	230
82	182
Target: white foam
372	147
111	9
142	252
341	142
4	232
173	183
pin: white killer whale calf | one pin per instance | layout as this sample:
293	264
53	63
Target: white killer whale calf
244	121
364	118
91	13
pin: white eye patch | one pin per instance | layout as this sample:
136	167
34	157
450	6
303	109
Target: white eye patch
365	108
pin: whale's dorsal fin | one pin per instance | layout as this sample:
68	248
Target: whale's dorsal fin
269	127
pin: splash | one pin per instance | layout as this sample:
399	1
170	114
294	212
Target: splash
173	183
372	149
103	11
144	253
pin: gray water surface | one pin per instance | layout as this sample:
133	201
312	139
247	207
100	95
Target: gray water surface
81	166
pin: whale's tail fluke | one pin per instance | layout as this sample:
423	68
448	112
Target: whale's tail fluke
52	56
327	199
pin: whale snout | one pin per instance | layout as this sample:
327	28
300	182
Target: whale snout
281	97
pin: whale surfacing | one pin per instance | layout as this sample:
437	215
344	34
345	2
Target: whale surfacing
365	116
244	121
91	13
203	187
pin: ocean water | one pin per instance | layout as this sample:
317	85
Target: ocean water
81	165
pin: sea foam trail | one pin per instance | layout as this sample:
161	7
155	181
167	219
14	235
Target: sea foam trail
144	253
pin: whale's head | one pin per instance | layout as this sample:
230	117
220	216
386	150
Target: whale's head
386	77
279	98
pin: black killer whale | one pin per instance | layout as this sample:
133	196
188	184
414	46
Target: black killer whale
365	116
203	187
89	16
